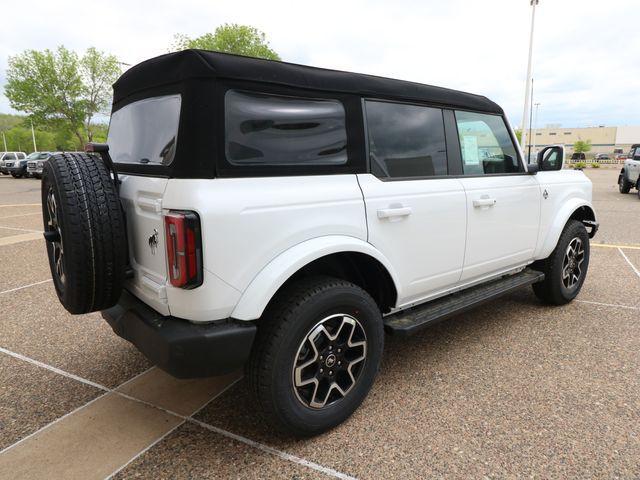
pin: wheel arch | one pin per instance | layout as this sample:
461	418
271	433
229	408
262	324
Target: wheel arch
572	210
348	258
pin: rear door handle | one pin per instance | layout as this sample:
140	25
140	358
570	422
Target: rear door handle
484	201
394	212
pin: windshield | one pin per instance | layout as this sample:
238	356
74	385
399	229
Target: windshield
145	131
37	156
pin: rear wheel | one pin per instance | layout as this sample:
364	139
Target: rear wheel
85	233
316	355
624	186
566	268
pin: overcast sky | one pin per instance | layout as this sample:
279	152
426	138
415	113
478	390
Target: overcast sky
586	52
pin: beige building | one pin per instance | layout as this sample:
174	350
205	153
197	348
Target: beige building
603	139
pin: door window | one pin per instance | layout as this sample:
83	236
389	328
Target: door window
486	145
405	140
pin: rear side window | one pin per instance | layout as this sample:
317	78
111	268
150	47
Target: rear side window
265	129
146	131
486	145
405	140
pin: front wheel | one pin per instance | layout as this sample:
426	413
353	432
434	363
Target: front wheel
316	355
566	268
624	186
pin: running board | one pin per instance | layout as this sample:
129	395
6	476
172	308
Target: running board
411	320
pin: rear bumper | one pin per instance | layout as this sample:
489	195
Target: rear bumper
181	348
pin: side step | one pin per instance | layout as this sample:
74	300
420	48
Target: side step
413	319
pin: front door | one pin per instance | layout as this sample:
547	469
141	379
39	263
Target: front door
416	215
502	200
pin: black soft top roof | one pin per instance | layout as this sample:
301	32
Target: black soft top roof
180	66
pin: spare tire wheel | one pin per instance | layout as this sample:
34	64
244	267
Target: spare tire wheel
85	232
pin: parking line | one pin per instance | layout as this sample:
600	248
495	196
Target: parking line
20	215
629	262
23	237
614	305
607	245
185	418
22	205
20	229
25	286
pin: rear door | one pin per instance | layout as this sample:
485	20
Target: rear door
415	213
502	200
144	133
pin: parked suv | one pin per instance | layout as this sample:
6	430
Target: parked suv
281	217
630	173
8	160
35	163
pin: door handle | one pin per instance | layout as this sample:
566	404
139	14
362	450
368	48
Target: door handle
394	212
484	201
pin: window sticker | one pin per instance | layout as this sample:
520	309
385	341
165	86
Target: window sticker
471	156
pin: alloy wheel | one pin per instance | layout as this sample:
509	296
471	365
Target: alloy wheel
54	236
572	263
329	361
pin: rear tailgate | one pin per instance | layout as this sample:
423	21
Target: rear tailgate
142	201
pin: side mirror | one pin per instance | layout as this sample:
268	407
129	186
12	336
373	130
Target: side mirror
551	158
532	168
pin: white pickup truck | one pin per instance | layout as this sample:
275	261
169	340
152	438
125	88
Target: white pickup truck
277	217
630	174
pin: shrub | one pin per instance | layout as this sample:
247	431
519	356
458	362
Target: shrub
579	165
595	165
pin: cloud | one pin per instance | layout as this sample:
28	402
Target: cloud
586	51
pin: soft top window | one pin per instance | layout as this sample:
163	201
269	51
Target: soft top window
146	131
266	129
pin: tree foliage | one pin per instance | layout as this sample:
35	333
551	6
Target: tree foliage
17	134
60	90
582	146
230	38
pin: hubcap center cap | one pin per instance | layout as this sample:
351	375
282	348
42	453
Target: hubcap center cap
330	361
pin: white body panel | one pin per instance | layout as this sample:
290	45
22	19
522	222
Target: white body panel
567	190
503	214
248	222
419	225
632	170
428	234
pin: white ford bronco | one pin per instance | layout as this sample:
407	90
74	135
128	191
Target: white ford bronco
277	217
630	173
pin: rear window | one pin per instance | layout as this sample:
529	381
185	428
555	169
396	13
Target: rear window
264	129
146	131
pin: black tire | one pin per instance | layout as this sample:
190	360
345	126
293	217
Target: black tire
278	348
85	232
16	175
624	185
554	289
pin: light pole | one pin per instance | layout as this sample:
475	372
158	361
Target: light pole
535	125
33	137
527	89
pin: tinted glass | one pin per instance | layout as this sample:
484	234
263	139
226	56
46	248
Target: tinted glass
406	140
145	131
10	156
486	145
266	129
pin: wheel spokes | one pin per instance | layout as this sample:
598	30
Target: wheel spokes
328	360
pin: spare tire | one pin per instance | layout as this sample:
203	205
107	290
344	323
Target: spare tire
85	232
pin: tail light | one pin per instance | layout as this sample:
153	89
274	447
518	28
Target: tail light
184	248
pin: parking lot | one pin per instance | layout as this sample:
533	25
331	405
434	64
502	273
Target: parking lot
513	388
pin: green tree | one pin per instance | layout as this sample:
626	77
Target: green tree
229	38
582	146
61	90
519	136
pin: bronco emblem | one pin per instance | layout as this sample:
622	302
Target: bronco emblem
153	242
